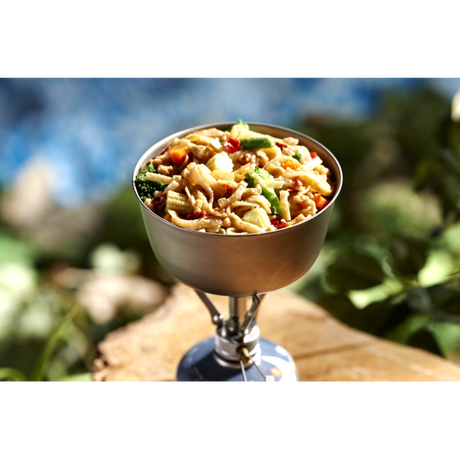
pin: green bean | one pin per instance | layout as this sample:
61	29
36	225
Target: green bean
256	143
269	193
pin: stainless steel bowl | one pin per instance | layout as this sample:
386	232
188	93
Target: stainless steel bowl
239	265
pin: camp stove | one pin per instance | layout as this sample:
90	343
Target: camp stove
243	267
236	352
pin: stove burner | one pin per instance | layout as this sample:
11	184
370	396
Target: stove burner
236	353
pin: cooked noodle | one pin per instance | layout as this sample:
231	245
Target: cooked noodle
236	181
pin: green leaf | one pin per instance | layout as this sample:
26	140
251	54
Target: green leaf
446	301
339	306
414	120
429	172
454	140
15	250
397	315
354	271
8	373
425	340
51	344
409	254
378	318
441	174
449	135
419	299
402	332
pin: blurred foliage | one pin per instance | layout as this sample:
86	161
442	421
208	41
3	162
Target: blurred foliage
394	256
390	265
45	334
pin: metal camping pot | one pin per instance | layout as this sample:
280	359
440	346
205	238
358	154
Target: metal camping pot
239	265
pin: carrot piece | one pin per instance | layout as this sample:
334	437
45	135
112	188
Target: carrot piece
320	201
313	154
178	154
291	164
219	174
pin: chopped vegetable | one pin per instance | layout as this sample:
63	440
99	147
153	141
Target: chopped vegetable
297	156
297	182
177	202
231	145
142	173
218	174
270	183
157	203
220	161
271	196
244	125
235	180
320	201
258	173
267	192
291	164
147	188
230	190
257	143
196	215
165	150
178	154
278	223
257	216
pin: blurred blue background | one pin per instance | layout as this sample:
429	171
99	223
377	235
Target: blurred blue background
75	260
90	132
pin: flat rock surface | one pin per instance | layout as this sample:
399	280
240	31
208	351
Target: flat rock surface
323	348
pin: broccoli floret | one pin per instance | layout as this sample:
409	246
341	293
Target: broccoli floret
143	172
147	188
244	125
258	173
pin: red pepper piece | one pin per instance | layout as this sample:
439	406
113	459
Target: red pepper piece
280	145
278	223
231	145
313	154
297	182
196	215
229	190
165	150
